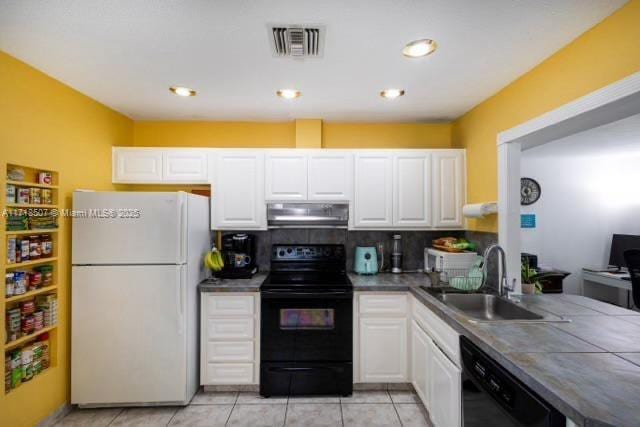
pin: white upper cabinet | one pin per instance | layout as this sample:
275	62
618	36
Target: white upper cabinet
286	175
237	199
373	196
132	166
412	188
188	166
330	175
160	166
445	404
449	180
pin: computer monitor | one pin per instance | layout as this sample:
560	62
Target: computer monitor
619	244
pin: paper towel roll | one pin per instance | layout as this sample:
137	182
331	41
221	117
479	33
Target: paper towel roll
479	210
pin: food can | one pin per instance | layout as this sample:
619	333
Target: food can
24	250
23	195
19	282
35	196
35	248
35	280
47	196
47	245
11	249
11	193
45	178
10	285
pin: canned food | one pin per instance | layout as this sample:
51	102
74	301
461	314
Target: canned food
47	196
11	193
24	250
35	247
35	196
11	249
9	284
45	178
35	280
19	282
47	245
23	195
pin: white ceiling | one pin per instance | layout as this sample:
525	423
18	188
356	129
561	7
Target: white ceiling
126	53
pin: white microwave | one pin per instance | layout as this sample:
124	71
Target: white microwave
443	261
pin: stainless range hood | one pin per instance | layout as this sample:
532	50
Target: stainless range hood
307	215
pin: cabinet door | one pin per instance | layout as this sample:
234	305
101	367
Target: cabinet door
383	349
330	175
286	175
237	200
444	390
185	166
132	166
373	203
412	189
420	360
449	183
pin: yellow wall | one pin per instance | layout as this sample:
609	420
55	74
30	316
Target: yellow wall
215	134
606	53
386	135
46	124
283	135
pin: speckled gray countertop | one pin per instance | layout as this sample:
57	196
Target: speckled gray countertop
588	368
233	285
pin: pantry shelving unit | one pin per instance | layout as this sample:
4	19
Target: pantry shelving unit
9	302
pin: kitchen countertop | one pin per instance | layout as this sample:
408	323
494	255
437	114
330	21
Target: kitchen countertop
233	285
588	368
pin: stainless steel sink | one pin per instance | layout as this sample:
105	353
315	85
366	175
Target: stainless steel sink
486	307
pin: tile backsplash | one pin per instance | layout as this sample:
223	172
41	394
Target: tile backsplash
413	242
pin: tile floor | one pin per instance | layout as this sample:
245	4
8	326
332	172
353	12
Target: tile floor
211	409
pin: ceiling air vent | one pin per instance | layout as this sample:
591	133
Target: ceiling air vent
297	41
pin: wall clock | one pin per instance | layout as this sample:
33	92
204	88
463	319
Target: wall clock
529	191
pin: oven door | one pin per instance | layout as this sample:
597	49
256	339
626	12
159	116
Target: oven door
306	326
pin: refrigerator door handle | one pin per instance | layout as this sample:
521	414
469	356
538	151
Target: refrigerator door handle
181	279
182	231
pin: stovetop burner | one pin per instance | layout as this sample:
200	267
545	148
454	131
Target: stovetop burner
307	266
308	279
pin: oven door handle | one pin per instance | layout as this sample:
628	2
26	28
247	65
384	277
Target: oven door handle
300	369
317	295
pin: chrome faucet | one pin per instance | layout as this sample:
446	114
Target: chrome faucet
503	285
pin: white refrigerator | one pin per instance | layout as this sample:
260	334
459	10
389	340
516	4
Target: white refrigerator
137	261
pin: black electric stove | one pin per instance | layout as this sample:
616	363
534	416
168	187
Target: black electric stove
306	343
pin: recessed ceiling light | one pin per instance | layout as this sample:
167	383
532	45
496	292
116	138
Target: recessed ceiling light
288	93
182	91
418	48
392	93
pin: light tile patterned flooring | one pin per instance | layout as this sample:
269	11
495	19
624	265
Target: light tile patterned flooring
212	409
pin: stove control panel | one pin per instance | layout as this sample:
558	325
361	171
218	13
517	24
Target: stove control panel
307	252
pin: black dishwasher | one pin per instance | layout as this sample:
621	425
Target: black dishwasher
491	396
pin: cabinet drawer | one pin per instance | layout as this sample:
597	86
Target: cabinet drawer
229	373
442	334
383	304
230	305
241	351
232	328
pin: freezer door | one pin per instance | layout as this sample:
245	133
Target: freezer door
128	335
129	228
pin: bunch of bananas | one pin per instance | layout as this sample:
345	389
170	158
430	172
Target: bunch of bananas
213	260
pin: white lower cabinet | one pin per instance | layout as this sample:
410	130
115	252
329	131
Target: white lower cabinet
383	345
445	403
230	337
381	337
420	360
